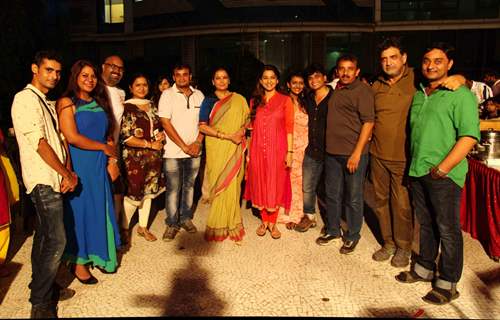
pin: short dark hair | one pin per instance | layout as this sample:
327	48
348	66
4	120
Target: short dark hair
447	48
492	73
348	57
182	66
46	54
313	68
390	42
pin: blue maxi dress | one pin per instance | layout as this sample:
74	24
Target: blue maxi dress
91	229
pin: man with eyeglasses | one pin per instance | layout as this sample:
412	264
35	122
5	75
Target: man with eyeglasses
112	73
179	109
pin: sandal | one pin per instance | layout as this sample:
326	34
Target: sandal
261	230
275	233
146	234
410	277
440	296
290	225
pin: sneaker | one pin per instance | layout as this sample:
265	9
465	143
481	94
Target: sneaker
383	253
401	258
304	224
326	239
348	246
170	233
189	226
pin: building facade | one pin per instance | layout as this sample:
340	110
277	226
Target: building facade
156	34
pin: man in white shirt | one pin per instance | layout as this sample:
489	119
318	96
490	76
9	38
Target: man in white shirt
480	89
492	79
112	73
47	174
179	109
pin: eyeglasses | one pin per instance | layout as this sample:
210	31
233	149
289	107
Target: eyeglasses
114	66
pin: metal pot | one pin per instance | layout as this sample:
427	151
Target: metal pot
489	145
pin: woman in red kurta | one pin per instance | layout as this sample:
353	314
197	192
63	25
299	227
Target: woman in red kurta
271	150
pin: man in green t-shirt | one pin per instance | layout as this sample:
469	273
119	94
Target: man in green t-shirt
444	127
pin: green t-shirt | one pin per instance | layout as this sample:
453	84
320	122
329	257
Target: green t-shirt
437	122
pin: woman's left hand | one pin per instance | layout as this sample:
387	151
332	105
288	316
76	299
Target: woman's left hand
289	159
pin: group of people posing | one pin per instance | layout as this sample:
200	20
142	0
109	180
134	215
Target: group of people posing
95	154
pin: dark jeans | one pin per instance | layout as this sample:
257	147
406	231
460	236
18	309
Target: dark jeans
344	191
312	170
437	208
48	243
180	174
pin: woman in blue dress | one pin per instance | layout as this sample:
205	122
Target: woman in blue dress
86	122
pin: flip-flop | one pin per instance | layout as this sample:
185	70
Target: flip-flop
261	230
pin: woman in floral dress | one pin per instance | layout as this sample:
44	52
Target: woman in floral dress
142	138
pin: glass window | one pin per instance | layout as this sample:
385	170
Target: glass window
339	43
397	10
113	11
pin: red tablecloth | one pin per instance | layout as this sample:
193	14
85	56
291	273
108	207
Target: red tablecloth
480	207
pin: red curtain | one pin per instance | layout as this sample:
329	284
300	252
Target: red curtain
480	207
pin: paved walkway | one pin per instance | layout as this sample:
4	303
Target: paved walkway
264	277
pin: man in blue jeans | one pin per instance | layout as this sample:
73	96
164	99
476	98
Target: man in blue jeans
351	115
46	174
179	109
444	127
312	167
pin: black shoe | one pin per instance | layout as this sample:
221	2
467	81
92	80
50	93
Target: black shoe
89	280
348	246
44	311
62	294
326	239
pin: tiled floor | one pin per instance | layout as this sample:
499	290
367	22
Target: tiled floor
264	277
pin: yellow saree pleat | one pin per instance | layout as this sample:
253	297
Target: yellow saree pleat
4	243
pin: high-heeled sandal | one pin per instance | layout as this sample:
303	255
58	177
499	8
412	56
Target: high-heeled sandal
89	280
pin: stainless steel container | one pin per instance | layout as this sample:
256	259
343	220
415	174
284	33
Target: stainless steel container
489	145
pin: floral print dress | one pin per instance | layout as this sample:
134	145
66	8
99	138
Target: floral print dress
143	166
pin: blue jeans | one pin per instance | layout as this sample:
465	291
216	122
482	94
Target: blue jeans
437	208
180	174
344	192
312	170
48	243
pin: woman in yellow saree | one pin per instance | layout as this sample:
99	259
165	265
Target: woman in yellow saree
223	118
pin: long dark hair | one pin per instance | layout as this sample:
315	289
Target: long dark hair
258	93
156	92
99	93
302	96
